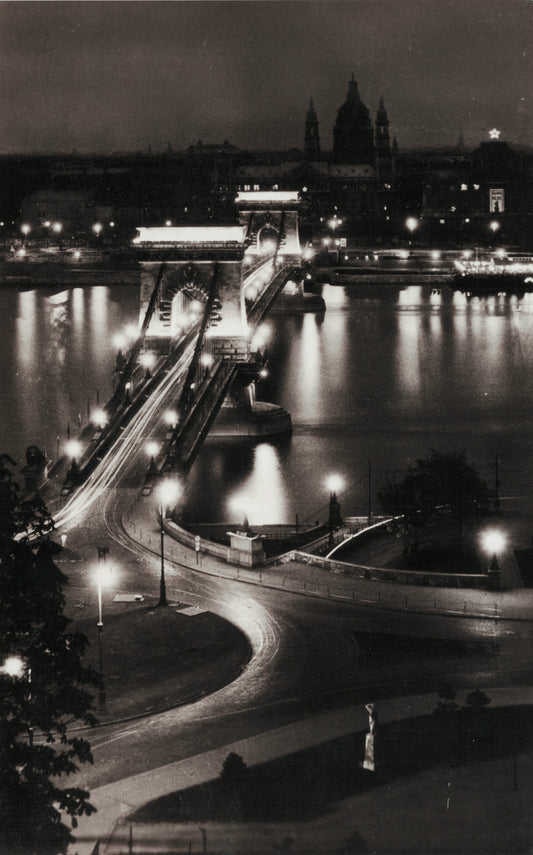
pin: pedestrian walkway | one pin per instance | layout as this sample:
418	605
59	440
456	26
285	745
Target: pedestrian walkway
408	814
305	577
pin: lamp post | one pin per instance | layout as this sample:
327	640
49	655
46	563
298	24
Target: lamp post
99	419
73	449
25	229
494	226
333	223
16	667
171	419
412	225
103	576
168	492
494	543
147	361
152	450
58	228
334	483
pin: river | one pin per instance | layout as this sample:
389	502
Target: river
385	375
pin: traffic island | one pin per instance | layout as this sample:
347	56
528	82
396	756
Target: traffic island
156	658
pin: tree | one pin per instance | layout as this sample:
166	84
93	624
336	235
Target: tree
440	484
43	698
446	702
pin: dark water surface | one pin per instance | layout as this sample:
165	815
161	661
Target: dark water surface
386	374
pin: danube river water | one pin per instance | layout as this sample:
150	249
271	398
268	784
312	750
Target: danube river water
385	375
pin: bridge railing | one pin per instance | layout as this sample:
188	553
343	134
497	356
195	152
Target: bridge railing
191	433
269	294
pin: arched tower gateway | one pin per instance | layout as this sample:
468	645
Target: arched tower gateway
353	137
312	139
180	268
270	219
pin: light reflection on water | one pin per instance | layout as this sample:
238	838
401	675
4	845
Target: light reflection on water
382	376
55	351
385	377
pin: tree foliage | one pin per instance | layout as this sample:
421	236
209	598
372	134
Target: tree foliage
440	484
51	691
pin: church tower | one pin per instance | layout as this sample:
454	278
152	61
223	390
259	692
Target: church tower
382	146
312	139
353	137
382	131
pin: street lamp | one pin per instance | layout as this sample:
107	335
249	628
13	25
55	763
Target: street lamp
103	576
240	504
57	228
99	419
120	340
494	542
16	667
334	483
169	492
171	418
494	226
147	361
25	229
333	223
412	225
206	361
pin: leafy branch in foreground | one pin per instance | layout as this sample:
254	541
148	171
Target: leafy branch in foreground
43	688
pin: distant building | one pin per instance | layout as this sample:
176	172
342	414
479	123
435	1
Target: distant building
479	196
456	195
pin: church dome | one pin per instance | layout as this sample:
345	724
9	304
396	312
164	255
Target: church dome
353	134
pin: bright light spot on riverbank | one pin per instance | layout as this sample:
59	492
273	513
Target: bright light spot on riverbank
494	541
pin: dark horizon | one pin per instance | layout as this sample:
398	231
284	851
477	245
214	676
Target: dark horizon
123	76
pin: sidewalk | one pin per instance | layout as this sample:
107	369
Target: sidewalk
297	576
408	814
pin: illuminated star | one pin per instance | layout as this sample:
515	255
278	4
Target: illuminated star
494	134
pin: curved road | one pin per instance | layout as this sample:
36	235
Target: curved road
304	656
304	660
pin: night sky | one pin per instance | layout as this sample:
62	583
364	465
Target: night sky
115	76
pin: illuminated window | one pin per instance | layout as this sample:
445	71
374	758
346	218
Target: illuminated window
275	186
476	186
246	188
464	187
497	200
256	187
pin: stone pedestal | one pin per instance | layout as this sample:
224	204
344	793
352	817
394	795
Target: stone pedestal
246	548
370	761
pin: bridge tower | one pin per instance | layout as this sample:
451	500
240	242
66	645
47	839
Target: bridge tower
180	268
270	218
